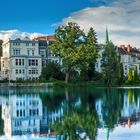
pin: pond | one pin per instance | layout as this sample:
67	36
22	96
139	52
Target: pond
77	113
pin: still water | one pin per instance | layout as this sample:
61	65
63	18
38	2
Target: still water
80	113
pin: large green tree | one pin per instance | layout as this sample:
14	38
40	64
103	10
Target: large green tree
72	47
91	40
112	67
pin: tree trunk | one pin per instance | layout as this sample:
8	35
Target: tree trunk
67	77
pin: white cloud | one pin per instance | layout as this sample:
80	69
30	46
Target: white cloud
122	19
13	34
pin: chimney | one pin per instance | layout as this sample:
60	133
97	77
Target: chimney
128	48
122	46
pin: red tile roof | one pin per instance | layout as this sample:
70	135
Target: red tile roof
49	38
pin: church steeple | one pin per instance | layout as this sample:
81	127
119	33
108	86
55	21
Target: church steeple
107	36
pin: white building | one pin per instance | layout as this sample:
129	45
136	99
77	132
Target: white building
20	59
98	64
130	58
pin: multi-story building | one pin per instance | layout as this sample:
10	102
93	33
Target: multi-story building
20	59
130	58
47	56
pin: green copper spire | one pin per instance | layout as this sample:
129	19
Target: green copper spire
107	37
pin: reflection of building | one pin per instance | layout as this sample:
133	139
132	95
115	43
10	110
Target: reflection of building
21	114
130	107
25	114
49	117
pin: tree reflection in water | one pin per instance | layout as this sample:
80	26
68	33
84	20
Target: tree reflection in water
78	112
86	110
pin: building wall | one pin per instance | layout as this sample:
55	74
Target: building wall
21	59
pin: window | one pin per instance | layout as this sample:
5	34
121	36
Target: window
29	71
33	62
36	71
24	113
23	62
27	44
19	71
30	112
36	62
33	44
28	52
125	67
32	52
20	113
3	63
23	71
16	51
20	62
16	71
17	113
17	103
16	44
16	62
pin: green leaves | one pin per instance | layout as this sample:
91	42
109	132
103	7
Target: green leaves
112	67
75	48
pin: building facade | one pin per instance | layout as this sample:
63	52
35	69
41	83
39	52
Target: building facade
21	59
130	58
45	52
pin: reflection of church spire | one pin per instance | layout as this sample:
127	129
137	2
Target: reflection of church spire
107	133
107	37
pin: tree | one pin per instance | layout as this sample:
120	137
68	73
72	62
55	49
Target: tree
112	67
52	70
130	75
136	74
71	46
91	40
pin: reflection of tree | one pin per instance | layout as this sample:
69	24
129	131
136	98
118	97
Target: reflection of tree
80	118
130	96
112	105
53	100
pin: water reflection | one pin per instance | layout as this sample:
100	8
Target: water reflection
72	113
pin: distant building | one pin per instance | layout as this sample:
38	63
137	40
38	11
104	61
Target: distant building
20	59
47	56
130	58
98	64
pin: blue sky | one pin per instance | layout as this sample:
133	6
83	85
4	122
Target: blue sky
25	17
38	15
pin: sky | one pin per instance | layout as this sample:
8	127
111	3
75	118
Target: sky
20	18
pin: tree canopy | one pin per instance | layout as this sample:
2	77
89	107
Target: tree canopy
74	48
112	67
